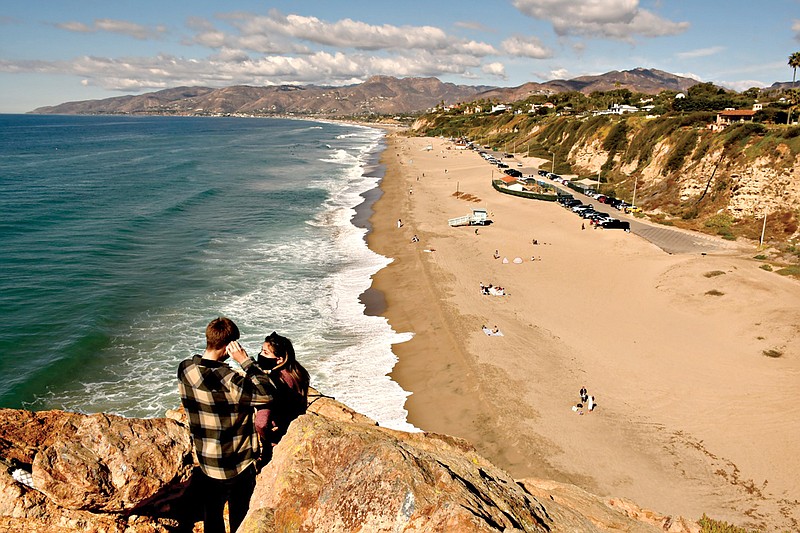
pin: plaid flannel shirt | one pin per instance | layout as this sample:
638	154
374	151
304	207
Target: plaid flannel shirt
219	404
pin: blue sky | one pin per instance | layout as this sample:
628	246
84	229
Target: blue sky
53	51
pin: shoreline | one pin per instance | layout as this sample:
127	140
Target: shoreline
673	431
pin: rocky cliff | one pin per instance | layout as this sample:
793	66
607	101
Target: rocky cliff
335	470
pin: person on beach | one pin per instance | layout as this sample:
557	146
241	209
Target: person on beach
399	223
277	357
219	404
583	394
497	254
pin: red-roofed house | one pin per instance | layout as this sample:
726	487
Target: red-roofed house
511	183
731	116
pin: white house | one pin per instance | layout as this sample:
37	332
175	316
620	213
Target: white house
621	109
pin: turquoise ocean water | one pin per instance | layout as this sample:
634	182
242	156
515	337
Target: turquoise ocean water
123	236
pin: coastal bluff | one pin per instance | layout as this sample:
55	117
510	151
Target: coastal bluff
335	470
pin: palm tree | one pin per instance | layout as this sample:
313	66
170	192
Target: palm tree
794	62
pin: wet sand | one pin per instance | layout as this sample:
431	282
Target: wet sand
692	416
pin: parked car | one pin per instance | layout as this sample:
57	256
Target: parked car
616	224
542	173
632	209
599	217
581	207
564	198
613	202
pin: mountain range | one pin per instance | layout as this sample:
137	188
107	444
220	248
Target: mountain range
379	94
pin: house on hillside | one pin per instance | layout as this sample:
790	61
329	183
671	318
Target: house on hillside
499	108
536	107
621	109
617	109
732	116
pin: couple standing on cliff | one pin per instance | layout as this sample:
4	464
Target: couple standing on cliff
236	418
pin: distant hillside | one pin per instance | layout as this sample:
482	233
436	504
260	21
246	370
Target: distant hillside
638	80
379	94
384	95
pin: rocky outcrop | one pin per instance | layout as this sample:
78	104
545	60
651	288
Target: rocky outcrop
335	470
92	472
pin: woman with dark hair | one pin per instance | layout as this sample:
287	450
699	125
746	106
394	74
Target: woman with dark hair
277	357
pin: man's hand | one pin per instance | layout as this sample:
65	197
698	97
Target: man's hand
236	351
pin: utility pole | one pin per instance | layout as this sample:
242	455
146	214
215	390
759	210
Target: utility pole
763	229
633	202
553	168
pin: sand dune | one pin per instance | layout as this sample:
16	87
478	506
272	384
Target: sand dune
692	417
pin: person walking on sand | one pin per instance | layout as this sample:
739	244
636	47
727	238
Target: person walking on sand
583	226
399	223
583	394
219	404
278	359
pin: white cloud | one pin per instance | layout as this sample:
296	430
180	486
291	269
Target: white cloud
701	52
77	27
131	29
495	69
472	25
526	47
689	75
741	85
346	33
615	19
273	48
233	66
796	29
279	33
558	74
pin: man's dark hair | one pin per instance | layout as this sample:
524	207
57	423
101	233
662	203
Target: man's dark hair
221	332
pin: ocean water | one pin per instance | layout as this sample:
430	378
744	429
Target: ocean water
122	237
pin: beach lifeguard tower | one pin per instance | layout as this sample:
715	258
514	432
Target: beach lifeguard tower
479	217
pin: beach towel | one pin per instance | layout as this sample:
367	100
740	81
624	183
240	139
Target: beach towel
495	292
491	333
518	260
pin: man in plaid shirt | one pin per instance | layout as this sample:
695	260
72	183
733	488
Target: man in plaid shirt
219	404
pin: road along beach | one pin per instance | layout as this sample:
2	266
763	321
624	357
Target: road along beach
692	416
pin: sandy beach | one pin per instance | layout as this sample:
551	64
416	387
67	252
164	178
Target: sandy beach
692	417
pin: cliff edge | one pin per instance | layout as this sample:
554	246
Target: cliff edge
335	470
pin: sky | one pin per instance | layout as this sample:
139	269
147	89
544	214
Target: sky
54	51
